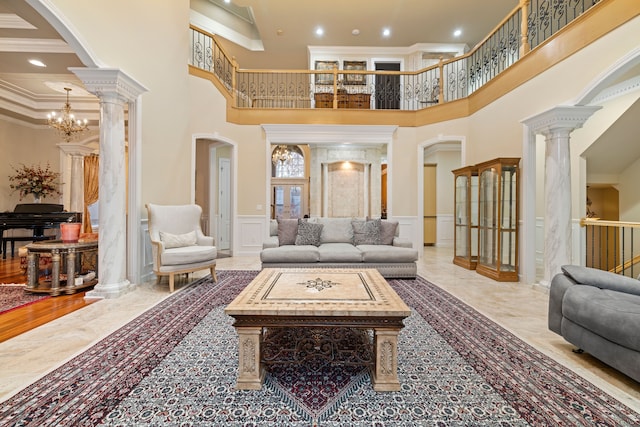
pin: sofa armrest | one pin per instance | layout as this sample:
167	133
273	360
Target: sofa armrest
602	279
559	285
402	242
271	242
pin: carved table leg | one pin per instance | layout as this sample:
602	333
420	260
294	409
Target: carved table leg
71	271
33	263
55	272
384	375
250	371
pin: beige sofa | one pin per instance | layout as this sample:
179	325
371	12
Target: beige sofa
339	242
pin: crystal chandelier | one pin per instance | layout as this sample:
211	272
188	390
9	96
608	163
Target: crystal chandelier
281	154
65	123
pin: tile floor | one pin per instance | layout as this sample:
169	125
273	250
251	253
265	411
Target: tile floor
520	308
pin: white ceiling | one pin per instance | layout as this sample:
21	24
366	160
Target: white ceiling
287	27
271	34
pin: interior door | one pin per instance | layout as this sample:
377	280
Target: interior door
387	87
288	201
429	198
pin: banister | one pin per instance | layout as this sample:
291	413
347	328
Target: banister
447	81
599	222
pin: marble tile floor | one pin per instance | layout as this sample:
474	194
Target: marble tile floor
518	307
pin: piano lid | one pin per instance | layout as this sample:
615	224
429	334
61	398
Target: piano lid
38	208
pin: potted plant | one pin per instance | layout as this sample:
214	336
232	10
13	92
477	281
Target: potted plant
36	180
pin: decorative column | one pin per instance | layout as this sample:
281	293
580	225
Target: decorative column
367	182
325	190
114	89
556	125
76	178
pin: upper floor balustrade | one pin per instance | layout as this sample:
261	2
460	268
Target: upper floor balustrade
528	26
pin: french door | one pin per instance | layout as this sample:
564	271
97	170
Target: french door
288	199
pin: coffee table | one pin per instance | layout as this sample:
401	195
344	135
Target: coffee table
318	298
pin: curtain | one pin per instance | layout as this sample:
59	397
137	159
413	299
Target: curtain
91	171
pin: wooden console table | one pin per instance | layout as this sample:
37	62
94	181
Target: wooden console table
76	258
345	100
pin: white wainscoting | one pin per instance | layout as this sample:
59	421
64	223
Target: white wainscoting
444	230
146	257
251	231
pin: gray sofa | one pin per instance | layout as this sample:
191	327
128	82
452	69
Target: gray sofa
339	242
599	312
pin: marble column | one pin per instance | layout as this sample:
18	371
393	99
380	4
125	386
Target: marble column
114	89
556	125
557	191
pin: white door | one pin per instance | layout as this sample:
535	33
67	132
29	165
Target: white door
224	204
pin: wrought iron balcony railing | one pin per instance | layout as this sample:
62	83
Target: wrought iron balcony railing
526	27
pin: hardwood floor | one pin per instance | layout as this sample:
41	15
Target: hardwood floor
23	319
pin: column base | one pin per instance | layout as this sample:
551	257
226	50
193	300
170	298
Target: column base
111	290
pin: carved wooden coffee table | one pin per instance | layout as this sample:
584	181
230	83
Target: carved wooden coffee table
318	298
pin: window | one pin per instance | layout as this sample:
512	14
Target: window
287	162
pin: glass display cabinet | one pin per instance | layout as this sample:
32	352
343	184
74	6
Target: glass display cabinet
466	217
498	219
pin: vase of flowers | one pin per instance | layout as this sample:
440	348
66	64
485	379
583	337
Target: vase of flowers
36	180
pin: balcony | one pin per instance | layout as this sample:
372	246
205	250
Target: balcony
451	89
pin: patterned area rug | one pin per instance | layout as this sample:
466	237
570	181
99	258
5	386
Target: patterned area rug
176	365
13	296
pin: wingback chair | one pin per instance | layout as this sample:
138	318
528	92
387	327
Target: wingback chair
177	241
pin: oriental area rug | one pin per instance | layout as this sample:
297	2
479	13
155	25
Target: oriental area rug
176	364
13	296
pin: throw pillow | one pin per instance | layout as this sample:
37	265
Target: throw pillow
178	240
366	232
287	231
308	233
387	232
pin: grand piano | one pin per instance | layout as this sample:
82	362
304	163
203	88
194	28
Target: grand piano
36	217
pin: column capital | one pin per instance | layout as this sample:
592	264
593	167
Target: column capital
74	149
561	119
109	83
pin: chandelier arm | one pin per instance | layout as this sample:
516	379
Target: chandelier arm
66	124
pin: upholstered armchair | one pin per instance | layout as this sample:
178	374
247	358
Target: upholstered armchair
177	241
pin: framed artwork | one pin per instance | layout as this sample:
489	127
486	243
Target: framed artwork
325	79
354	79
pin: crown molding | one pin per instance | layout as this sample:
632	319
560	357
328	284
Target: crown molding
34	45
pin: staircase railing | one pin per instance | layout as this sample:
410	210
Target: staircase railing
526	27
613	246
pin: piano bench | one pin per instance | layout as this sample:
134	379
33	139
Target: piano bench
14	239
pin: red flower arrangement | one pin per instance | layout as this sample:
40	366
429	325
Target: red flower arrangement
35	180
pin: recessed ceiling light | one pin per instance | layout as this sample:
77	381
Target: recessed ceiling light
355	31
319	31
386	32
457	33
37	63
227	1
